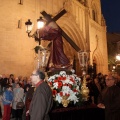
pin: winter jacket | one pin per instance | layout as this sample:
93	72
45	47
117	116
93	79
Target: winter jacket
7	97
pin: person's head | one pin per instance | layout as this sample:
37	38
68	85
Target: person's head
10	80
16	80
18	85
99	75
3	76
25	79
37	76
11	76
96	81
9	87
19	77
29	81
110	80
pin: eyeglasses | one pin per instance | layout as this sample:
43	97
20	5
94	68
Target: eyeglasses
34	75
108	79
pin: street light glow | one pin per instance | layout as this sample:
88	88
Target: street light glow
118	57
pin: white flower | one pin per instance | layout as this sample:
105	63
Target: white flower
56	75
51	78
67	81
77	88
58	98
55	85
63	73
70	82
73	71
65	90
73	97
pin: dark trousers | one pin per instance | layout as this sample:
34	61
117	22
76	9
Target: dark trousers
18	114
13	113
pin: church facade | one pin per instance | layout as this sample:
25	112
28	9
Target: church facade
83	23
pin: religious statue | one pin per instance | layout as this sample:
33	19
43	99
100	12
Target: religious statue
52	32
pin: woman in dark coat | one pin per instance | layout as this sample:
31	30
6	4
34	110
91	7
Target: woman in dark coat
96	90
29	96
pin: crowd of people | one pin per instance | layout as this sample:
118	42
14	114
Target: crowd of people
21	89
105	93
12	91
34	91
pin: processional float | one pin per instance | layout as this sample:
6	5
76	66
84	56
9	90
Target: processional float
45	55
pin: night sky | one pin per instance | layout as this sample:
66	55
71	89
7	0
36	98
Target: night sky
111	13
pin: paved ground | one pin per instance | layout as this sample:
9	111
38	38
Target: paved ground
10	119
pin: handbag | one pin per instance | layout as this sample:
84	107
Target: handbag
20	105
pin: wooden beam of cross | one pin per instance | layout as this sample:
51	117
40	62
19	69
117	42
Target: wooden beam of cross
49	19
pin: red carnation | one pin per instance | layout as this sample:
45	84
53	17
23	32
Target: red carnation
55	80
65	84
54	92
71	79
50	83
63	78
59	78
61	93
75	90
59	84
70	86
67	94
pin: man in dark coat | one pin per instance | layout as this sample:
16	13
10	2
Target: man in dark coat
42	99
111	99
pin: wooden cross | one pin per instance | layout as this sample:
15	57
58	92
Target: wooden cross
49	19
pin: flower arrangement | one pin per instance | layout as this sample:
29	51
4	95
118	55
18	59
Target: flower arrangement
65	88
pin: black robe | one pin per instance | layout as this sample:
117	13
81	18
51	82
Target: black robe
111	100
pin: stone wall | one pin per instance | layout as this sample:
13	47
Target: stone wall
17	49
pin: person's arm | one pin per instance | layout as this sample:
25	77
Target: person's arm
100	105
100	99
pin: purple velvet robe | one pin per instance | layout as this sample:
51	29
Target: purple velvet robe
58	56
